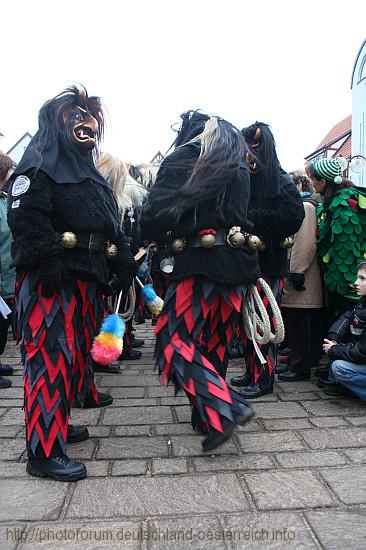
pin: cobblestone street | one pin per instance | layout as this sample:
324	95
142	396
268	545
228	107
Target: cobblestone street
294	477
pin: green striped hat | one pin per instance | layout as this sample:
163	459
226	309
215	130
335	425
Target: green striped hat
328	169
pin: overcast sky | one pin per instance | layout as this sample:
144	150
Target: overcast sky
287	63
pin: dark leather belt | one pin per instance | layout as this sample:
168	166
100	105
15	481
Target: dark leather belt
95	242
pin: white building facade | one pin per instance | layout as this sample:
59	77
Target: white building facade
358	86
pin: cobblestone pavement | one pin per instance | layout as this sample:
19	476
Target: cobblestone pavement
294	477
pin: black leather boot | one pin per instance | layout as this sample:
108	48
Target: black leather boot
216	438
242	380
5	383
60	468
6	370
76	434
108	369
255	390
137	342
89	403
130	355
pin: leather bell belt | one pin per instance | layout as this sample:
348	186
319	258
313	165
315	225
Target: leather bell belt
209	238
94	242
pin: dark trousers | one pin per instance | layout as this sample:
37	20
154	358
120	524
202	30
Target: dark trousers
298	322
4	327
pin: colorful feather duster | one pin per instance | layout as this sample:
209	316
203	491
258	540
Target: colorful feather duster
151	299
108	345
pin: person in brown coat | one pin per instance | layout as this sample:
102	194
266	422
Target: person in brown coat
302	294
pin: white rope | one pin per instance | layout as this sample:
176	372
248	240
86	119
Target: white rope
257	323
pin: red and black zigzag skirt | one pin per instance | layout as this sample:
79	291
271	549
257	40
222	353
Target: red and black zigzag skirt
55	336
194	332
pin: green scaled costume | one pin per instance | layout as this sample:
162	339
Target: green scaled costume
342	240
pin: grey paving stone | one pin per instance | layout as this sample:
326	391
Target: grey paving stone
268	442
252	426
174	429
99	431
279	410
25	499
358	456
12	417
84	535
11	534
133	430
183	413
168	466
161	391
18	403
357	420
179	400
190	445
299	396
81	451
339	530
132	447
347	483
287	489
303	386
10	469
268	531
137	415
335	407
144	402
328	421
132	380
246	462
11	449
334	438
129	468
181	533
310	459
17	381
97	468
9	431
12	393
157	495
85	417
126	393
287	424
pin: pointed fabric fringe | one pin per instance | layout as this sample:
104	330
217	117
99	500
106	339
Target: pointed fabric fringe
194	332
55	337
263	373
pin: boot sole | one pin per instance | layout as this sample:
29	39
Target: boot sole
33	471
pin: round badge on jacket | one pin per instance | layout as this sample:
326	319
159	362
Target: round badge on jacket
20	186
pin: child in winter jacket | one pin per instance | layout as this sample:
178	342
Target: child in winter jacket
346	346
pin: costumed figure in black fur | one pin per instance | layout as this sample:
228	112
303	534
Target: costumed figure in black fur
277	211
201	191
67	245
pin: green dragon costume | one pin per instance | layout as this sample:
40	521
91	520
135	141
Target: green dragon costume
342	240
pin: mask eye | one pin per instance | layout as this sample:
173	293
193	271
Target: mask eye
78	117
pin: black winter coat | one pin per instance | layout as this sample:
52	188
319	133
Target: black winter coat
221	264
281	217
349	331
46	209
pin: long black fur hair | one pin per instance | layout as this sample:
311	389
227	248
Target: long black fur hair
266	175
222	151
54	116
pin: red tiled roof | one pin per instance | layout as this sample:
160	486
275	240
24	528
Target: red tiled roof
345	150
336	132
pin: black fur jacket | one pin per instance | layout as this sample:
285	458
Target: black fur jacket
39	211
221	264
280	217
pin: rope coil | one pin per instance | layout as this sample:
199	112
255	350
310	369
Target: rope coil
257	324
130	304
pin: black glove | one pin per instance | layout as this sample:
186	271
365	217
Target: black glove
297	280
50	274
118	284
